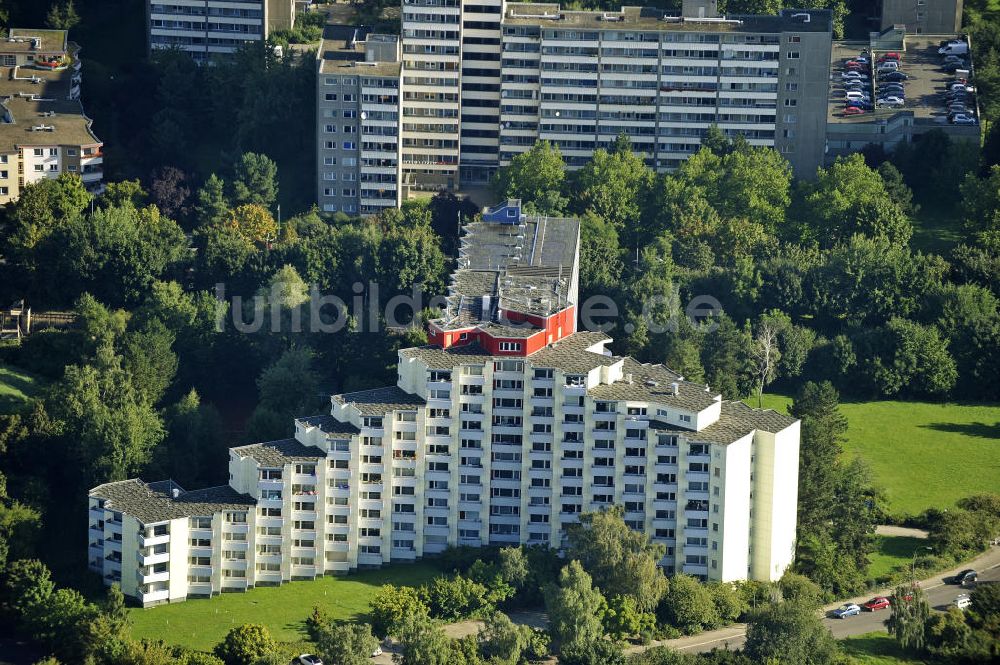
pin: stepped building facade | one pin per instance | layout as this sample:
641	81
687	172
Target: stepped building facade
502	430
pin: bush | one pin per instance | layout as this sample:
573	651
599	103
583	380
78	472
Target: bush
246	644
392	606
455	598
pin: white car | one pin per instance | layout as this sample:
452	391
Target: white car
962	119
377	652
887	66
963	601
307	659
891	101
857	94
858	76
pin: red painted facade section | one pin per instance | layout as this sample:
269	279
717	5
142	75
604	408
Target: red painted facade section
551	329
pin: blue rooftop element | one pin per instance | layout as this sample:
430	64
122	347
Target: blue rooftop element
507	212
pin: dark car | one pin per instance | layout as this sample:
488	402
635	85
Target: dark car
893	76
967	576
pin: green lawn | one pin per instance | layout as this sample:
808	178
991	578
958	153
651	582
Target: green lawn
16	388
877	649
937	228
922	454
892	551
202	623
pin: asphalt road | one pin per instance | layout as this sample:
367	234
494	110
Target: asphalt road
939	594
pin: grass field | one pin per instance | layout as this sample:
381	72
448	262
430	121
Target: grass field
922	454
877	649
892	551
202	623
16	388
937	228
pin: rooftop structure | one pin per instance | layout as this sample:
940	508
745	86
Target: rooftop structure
43	129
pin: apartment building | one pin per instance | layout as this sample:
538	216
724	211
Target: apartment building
580	78
43	130
923	17
482	82
205	28
506	427
358	102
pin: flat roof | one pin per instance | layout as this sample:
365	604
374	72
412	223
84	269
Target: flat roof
20	41
38	97
550	15
924	89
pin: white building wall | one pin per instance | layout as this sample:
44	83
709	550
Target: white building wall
775	502
733	505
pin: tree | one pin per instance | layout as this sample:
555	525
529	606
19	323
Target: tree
764	356
423	643
620	560
614	185
253	223
503	642
18	523
535	177
576	609
61	623
255	181
848	198
107	427
688	605
723	357
455	598
212	207
823	428
126	192
392	606
246	644
150	360
170	192
195	442
41	208
908	618
789	633
729	604
62	15
28	584
915	360
346	644
623	619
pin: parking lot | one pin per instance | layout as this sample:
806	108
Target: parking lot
924	88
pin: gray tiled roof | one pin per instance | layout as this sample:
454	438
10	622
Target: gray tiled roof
652	383
736	420
279	453
329	425
568	354
768	420
379	401
154	502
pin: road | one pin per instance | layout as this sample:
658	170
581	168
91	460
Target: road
939	594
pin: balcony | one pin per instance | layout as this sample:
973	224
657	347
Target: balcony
152	559
150	540
151	578
155	596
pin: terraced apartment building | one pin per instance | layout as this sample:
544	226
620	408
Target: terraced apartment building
44	131
503	429
482	81
205	28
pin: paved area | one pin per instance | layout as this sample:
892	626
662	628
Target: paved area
899	531
924	89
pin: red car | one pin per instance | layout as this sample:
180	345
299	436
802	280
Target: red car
889	56
853	110
877	603
854	63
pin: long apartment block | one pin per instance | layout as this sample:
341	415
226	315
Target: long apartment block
44	131
502	430
481	82
205	28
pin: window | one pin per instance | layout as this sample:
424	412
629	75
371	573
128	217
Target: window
39	167
349	145
510	346
793	55
329	80
794	39
38	152
53	152
53	167
791	102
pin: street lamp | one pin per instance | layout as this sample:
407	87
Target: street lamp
913	560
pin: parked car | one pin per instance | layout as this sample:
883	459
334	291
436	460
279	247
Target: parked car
307	659
893	76
892	87
963	601
377	652
863	105
963	119
888	66
892	101
857	94
891	55
959	108
854	110
855	63
967	576
960	48
952	67
844	611
854	75
877	603
854	84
